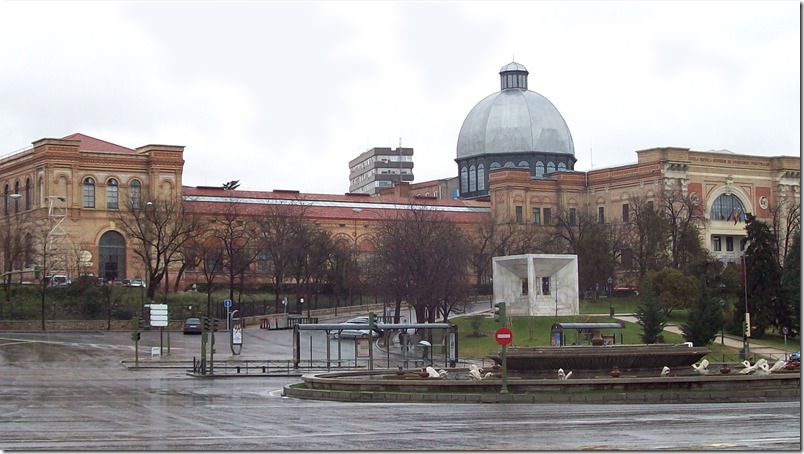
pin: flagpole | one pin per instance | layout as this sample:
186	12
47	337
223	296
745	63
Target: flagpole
747	318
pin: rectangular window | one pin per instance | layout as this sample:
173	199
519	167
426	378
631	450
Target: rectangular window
519	215
548	217
716	244
625	212
627	259
729	244
742	244
524	286
573	215
601	215
537	216
650	205
545	286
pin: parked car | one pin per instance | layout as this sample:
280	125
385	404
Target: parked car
355	333
193	326
59	280
625	290
134	283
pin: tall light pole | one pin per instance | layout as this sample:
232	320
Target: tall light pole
723	322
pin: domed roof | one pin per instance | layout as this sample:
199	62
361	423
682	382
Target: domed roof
514	119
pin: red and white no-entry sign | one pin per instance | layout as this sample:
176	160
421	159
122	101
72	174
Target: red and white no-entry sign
504	336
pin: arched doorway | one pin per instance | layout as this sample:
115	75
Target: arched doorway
112	256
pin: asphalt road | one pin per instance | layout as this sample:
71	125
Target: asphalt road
69	391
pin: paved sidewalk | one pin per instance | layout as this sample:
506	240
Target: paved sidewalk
754	347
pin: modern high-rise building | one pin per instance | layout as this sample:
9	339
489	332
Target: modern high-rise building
380	168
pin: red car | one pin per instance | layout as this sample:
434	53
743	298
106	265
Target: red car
625	290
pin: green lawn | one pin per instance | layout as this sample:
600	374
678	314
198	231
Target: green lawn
535	332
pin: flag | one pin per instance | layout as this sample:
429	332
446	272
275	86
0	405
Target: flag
728	218
736	215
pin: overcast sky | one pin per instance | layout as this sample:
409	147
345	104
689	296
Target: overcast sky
282	95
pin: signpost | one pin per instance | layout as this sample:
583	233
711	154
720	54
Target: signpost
159	317
503	336
227	303
785	331
236	335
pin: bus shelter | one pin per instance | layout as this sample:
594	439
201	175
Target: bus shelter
562	334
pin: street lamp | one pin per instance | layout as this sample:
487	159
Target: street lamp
611	306
723	323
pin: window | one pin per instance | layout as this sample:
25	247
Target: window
625	212
17	200
135	191
89	193
727	207
730	244
464	180
28	194
111	194
650	205
545	285
562	166
716	244
481	177
537	216
547	217
524	286
601	215
551	167
627	259
538	170
743	243
573	216
472	179
518	214
524	164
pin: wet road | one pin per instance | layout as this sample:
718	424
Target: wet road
70	392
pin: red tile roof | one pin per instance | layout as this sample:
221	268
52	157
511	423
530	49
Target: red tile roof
92	144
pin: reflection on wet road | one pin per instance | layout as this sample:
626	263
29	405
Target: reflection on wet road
70	392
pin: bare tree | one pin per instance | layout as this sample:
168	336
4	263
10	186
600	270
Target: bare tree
649	236
238	237
15	241
421	256
159	229
279	228
683	216
785	222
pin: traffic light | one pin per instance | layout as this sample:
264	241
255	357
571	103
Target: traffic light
499	311
135	336
207	323
140	323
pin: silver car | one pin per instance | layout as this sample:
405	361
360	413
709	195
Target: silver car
355	333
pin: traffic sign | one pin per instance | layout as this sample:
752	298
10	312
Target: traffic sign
785	331
504	335
227	303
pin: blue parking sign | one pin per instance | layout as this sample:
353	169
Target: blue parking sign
227	303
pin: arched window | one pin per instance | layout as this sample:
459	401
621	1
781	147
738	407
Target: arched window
562	166
111	194
551	167
135	192
89	192
509	165
481	177
524	165
472	178
494	165
17	200
112	256
28	194
464	180
538	171
727	207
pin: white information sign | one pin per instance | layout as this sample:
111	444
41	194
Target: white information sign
159	314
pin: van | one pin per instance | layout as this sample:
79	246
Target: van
59	280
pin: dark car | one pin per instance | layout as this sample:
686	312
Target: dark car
193	326
625	290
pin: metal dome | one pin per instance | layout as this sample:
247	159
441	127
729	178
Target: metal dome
513	120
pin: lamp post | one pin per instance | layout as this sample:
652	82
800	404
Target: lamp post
723	323
611	306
